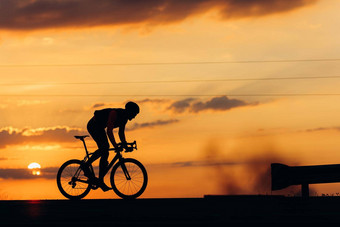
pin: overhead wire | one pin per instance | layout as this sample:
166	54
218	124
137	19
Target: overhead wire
173	81
172	63
169	81
170	95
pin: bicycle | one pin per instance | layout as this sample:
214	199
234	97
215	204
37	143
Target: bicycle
128	176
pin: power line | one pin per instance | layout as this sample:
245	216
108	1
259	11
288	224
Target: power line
170	81
172	63
171	95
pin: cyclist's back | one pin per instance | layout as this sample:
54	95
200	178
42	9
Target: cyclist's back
102	117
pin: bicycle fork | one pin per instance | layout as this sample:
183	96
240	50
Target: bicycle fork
125	171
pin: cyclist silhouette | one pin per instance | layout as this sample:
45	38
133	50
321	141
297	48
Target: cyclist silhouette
109	118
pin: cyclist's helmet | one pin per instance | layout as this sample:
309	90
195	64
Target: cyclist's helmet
132	107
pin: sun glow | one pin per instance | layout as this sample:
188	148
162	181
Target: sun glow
35	167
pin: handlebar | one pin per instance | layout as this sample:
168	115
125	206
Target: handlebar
129	147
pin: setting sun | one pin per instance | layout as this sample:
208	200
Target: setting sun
34	165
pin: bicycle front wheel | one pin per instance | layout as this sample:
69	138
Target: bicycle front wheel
71	181
131	183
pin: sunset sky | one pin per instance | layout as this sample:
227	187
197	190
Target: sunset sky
225	88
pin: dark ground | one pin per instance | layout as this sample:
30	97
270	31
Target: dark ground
207	211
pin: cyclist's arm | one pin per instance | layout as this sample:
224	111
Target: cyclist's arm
121	134
110	126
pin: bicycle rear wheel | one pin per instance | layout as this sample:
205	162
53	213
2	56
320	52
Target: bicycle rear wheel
129	188
71	181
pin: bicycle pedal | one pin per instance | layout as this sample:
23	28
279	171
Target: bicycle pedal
94	187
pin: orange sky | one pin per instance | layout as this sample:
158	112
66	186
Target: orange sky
203	126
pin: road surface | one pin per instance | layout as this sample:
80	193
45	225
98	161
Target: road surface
210	210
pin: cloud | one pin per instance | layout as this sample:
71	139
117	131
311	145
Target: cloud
41	14
21	174
218	103
222	103
204	163
152	124
11	136
182	105
62	134
51	172
255	8
323	129
98	105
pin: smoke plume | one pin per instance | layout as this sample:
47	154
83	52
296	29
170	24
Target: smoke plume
251	173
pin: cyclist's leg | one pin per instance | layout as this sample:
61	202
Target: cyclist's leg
103	163
95	132
99	136
103	149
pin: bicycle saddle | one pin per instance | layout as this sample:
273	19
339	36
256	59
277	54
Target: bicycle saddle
81	137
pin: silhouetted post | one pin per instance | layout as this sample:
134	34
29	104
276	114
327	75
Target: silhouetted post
304	190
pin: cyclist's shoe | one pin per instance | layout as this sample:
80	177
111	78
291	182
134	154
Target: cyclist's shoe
86	169
103	186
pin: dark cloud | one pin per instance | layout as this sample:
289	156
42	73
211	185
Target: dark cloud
323	129
152	124
221	103
182	105
217	103
203	163
40	14
21	174
9	136
98	105
255	8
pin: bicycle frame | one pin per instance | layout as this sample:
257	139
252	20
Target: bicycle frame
87	154
118	157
